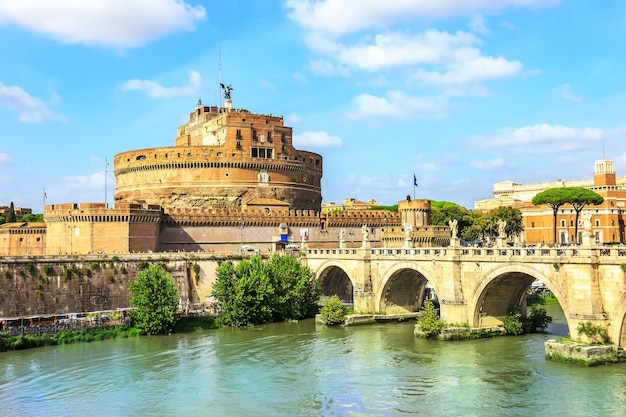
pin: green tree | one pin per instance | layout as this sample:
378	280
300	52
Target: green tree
33	218
555	198
579	198
477	226
428	321
297	289
11	214
2	220
513	218
333	311
441	212
513	323
255	292
155	298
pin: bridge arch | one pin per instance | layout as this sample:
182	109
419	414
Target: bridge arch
404	289
503	288
333	279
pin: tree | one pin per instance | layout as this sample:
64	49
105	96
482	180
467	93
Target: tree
155	298
255	292
11	214
428	322
581	197
555	198
441	212
512	216
578	197
33	218
333	311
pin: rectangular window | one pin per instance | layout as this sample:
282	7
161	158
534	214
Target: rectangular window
261	152
269	137
254	136
282	137
255	152
238	134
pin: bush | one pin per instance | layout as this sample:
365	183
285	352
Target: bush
428	322
155	298
256	292
48	270
596	333
333	312
513	324
539	318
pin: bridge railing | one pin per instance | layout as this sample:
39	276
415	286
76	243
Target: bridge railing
514	252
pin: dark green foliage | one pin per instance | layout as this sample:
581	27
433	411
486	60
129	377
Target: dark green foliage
155	298
539	318
255	292
578	197
31	268
94	265
194	324
595	332
513	323
428	321
196	272
48	270
333	311
33	218
123	270
393	208
6	274
11	214
115	258
143	265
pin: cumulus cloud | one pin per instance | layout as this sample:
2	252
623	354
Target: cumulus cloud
109	23
477	24
155	90
30	109
398	105
495	164
543	138
319	139
566	92
4	158
340	17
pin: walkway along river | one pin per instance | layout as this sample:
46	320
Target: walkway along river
298	369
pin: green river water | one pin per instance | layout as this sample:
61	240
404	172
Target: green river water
298	369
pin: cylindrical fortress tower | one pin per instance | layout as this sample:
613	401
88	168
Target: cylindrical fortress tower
223	159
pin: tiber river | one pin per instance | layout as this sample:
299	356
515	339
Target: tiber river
298	369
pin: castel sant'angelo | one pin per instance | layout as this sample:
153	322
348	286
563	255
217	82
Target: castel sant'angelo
233	180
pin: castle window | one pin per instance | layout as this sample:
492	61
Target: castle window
597	222
254	135
238	145
532	224
282	137
140	157
238	134
562	223
189	154
269	137
261	152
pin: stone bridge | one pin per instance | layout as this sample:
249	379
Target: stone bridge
478	286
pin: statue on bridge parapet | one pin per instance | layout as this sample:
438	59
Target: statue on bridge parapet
408	235
342	237
454	228
502	229
366	235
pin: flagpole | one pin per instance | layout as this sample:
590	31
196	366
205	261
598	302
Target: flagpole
106	173
44	198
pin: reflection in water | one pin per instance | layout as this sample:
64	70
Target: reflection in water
298	369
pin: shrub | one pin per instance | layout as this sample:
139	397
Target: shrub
539	318
48	270
143	265
155	298
31	268
596	333
95	265
513	324
196	272
428	322
123	270
333	312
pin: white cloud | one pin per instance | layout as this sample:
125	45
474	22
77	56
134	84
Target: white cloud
543	138
566	92
339	17
30	109
319	139
110	23
477	24
4	158
83	182
155	90
398	105
293	118
496	164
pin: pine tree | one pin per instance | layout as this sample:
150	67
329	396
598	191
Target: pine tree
11	214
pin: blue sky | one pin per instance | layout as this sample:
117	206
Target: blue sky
460	93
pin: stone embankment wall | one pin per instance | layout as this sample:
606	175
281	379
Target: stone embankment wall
46	285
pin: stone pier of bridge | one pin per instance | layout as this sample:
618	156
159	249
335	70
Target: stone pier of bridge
479	286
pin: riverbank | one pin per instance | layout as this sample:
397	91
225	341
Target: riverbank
9	342
589	355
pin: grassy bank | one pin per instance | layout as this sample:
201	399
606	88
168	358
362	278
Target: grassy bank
9	342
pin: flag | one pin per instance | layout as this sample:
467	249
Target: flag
414	180
44	193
